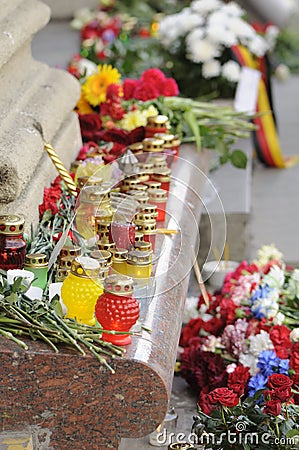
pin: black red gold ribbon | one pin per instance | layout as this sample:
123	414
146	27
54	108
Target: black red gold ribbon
266	139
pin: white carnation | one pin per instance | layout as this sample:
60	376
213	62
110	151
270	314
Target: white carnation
86	67
260	342
205	6
249	360
211	68
294	336
231	71
293	285
265	307
274	278
279	319
200	50
190	310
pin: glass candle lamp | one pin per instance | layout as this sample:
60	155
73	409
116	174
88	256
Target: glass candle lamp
153	184
158	197
81	289
163	176
123	234
37	264
119	260
12	242
176	147
117	309
104	258
139	264
152	146
148	228
156	124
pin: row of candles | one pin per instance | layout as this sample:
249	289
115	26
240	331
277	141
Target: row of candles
123	220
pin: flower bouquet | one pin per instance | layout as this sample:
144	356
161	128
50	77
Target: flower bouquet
241	355
198	42
112	110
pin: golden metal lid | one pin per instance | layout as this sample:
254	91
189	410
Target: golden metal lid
146	227
104	257
106	245
159	177
138	236
145	216
119	254
176	141
148	208
11	224
36	260
65	263
157	121
153	145
136	147
153	184
141	196
74	166
119	284
140	258
89	181
61	274
85	267
70	251
157	195
145	167
157	158
141	177
165	136
96	195
143	246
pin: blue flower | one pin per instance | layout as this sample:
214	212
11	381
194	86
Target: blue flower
264	302
283	366
259	381
268	362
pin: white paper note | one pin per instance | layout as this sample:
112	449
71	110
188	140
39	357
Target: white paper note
247	90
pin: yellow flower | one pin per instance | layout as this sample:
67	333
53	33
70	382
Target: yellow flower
83	106
137	118
95	87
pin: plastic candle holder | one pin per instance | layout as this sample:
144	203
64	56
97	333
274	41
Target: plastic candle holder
37	264
12	242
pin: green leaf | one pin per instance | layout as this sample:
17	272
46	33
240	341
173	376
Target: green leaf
238	159
191	121
292	433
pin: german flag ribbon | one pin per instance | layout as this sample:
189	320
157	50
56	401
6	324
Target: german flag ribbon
265	137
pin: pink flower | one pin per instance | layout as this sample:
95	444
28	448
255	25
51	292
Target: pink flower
233	337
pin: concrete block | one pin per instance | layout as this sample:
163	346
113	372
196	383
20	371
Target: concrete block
64	9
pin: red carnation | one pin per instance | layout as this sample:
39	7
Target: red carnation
192	329
272	407
145	91
280	336
224	396
169	88
153	75
129	86
240	376
90	125
294	359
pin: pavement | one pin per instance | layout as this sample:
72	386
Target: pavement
273	194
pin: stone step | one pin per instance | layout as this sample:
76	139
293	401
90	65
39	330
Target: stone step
18	23
64	9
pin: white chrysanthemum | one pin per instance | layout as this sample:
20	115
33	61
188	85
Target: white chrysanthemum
266	253
219	34
233	9
249	360
211	68
258	45
231	71
279	319
174	26
240	28
205	6
216	18
271	35
190	310
200	50
274	278
294	336
260	342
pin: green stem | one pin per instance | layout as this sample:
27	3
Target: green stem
10	336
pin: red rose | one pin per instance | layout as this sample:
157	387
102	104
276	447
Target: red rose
169	88
204	403
90	125
280	336
237	388
129	86
282	394
272	407
279	380
224	396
